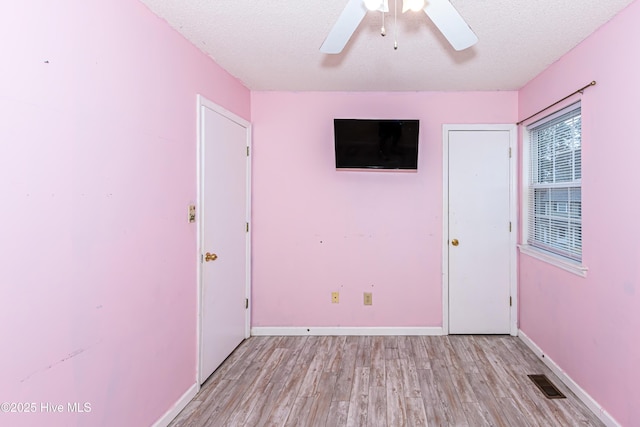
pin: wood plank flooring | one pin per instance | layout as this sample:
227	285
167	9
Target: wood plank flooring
381	381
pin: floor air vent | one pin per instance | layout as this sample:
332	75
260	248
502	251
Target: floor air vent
546	387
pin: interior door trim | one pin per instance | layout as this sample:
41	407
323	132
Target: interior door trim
202	103
513	212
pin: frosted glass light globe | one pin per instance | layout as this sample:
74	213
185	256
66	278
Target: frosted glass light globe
413	5
373	4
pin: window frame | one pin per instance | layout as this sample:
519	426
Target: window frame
558	260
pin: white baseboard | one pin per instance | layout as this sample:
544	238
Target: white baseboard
178	406
589	401
344	330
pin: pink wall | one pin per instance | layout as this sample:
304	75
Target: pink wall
591	326
318	230
97	167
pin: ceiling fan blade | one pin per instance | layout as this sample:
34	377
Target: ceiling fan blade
450	24
353	13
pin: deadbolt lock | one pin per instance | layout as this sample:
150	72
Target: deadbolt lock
455	242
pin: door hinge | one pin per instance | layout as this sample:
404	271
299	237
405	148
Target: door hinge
246	303
509	226
509	152
247	151
247	228
510	301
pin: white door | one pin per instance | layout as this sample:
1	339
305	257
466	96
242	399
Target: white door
479	231
224	242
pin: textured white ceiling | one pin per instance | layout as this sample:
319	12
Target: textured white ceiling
274	45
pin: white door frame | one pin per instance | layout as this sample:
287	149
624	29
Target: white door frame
203	102
513	210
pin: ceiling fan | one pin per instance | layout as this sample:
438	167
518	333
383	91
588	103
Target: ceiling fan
441	12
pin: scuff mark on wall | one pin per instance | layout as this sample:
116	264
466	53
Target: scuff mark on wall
64	359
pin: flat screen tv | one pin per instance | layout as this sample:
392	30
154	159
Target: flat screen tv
376	144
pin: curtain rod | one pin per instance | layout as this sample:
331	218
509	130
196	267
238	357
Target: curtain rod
581	90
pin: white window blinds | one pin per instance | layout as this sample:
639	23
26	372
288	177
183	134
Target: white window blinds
555	192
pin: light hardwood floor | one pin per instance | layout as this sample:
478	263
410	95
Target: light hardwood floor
381	381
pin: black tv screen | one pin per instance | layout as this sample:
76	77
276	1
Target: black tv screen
376	144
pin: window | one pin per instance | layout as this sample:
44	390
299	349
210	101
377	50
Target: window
554	184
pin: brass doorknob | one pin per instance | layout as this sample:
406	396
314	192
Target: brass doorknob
210	257
455	242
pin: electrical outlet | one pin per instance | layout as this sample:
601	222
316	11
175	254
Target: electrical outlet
368	298
192	213
335	297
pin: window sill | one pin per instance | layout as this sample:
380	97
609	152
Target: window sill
571	267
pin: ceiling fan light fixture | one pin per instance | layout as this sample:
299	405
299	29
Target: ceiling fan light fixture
373	4
441	12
